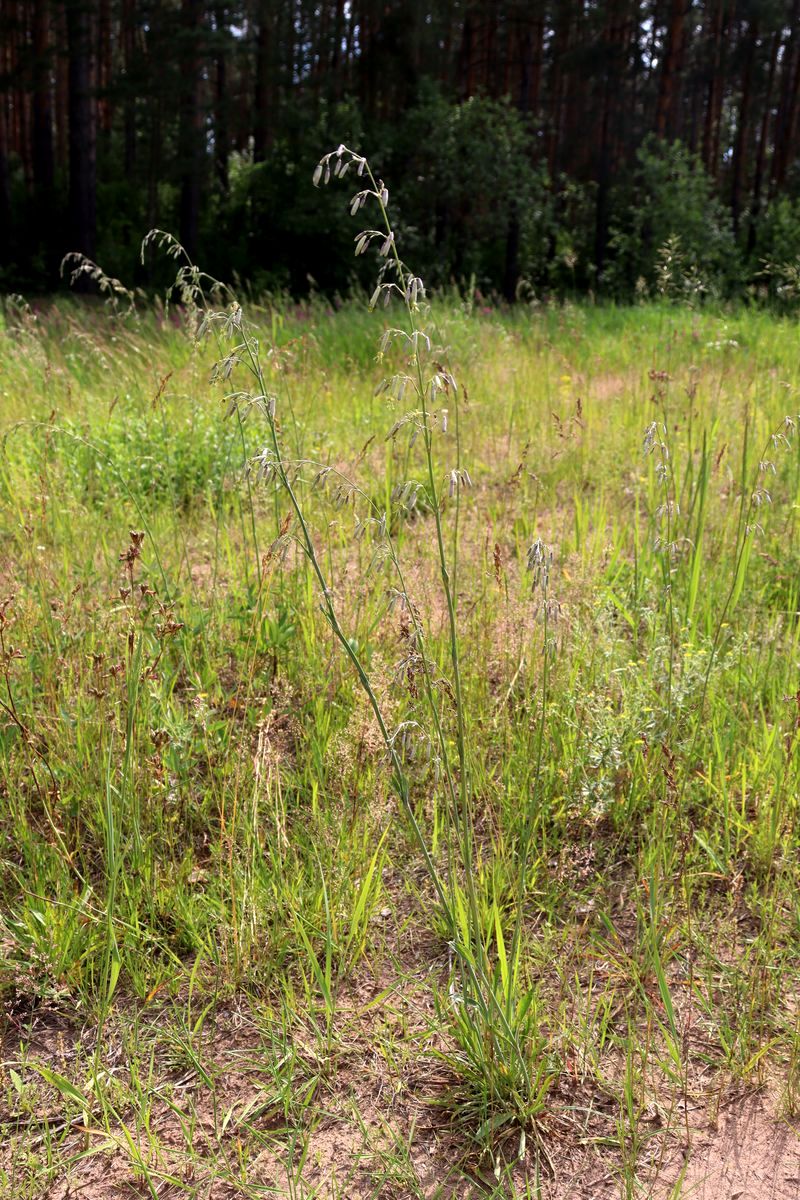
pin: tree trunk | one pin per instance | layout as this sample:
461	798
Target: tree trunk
61	89
743	125
715	86
758	171
787	104
5	185
466	78
104	69
221	127
668	107
190	133
561	37
21	140
336	50
82	154
262	115
531	55
615	29
43	161
154	166
127	35
790	129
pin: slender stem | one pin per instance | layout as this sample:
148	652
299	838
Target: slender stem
447	586
401	782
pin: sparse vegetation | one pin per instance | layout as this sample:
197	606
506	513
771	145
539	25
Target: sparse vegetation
398	754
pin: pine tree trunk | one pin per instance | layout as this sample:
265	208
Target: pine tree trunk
43	161
669	91
221	125
614	46
758	171
5	183
128	43
561	37
190	134
264	72
21	140
714	101
82	152
787	104
743	125
789	150
61	89
104	69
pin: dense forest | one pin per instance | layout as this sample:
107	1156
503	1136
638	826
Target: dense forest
531	146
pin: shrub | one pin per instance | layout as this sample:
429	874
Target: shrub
777	249
469	170
670	197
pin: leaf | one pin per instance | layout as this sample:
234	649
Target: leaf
741	572
501	950
622	609
663	986
114	964
62	1085
712	854
490	1127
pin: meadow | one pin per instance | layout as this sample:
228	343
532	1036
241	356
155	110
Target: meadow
398	799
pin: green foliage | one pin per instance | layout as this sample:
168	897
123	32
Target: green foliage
272	230
569	267
777	250
670	199
466	171
778	231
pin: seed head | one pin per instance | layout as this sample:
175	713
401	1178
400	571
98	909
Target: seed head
539	562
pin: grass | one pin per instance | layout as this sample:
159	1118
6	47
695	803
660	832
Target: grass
226	969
